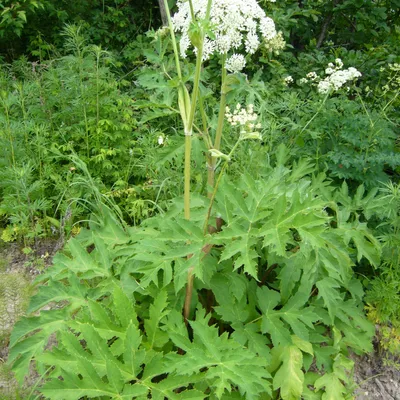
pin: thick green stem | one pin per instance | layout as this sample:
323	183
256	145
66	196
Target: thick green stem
174	45
188	150
206	136
188	121
191	10
188	124
189	131
212	161
199	60
204	133
215	189
222	105
195	93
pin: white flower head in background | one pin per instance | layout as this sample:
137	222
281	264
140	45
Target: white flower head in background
339	63
234	24
276	44
288	80
337	79
312	75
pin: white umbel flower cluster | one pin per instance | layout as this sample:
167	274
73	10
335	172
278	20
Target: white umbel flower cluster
246	119
234	23
235	63
337	77
311	76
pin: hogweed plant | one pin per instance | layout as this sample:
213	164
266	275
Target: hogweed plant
271	306
219	28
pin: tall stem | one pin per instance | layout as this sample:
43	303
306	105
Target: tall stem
215	189
220	126
222	105
188	121
205	134
174	45
189	131
188	148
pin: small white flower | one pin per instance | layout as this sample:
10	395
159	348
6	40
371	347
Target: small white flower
329	71
235	63
303	81
252	42
267	28
160	140
394	67
339	63
288	80
312	75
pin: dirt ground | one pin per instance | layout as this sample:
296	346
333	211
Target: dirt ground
19	266
374	379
